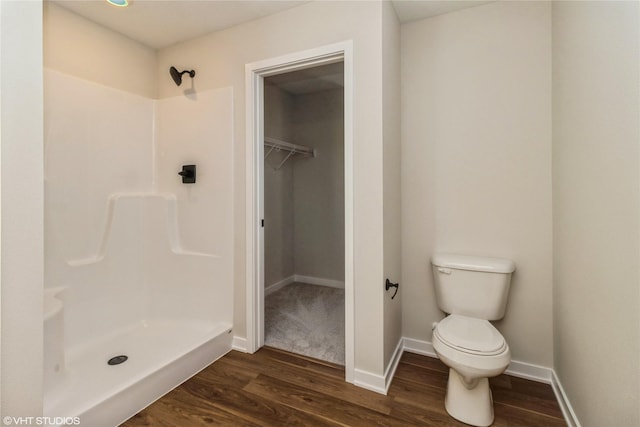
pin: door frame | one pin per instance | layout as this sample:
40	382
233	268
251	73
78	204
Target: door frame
254	91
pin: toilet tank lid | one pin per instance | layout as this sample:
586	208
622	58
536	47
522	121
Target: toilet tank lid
473	263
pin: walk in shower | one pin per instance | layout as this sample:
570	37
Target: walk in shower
138	265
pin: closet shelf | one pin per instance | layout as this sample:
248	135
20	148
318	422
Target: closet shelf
278	145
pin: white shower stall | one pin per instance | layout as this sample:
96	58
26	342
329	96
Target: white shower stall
137	263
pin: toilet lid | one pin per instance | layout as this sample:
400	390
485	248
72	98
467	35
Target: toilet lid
476	336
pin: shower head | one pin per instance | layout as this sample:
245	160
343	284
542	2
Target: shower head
177	75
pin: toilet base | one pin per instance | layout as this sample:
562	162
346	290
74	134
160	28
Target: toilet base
471	406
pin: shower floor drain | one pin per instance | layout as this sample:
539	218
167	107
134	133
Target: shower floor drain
117	360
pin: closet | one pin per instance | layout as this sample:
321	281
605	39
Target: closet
304	211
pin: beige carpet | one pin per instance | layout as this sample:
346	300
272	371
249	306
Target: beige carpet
306	319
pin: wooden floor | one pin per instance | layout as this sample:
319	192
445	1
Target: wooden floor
275	388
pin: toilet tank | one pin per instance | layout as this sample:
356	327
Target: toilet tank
472	286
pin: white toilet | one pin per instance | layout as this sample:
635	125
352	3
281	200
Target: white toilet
473	291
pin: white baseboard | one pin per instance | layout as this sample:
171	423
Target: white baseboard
390	370
567	410
239	344
279	285
529	372
319	281
516	369
379	383
369	381
418	347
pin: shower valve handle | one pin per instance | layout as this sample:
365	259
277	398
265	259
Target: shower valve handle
188	174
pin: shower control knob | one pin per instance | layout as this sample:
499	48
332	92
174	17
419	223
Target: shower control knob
188	174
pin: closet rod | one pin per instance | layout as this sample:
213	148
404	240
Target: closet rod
288	146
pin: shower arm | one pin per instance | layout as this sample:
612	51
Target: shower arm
177	75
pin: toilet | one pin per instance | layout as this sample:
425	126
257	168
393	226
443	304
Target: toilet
472	291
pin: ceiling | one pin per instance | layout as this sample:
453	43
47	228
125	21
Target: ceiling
412	10
162	23
308	80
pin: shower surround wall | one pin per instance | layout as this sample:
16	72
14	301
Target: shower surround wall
134	259
304	199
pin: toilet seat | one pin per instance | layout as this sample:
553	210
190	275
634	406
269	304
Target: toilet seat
470	335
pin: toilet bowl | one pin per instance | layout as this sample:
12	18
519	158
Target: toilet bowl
474	351
472	290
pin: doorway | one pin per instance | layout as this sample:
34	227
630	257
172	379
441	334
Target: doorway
303	181
256	74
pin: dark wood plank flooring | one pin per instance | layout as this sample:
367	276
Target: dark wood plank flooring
276	388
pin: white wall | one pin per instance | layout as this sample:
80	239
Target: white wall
476	160
391	177
278	188
318	185
596	184
304	199
21	363
79	47
219	60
